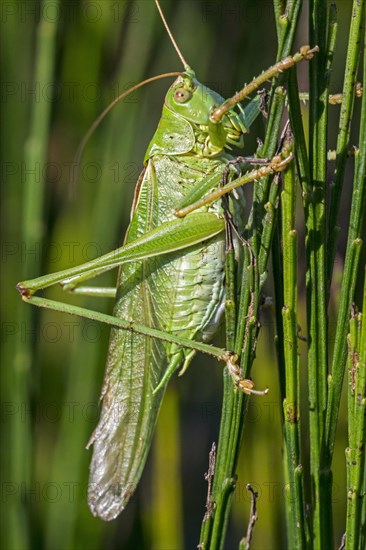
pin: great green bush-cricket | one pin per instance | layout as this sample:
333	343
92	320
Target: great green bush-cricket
171	272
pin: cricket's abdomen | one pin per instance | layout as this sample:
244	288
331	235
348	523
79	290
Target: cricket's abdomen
187	292
178	292
186	287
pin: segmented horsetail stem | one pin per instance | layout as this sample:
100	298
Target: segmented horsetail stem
304	53
185	64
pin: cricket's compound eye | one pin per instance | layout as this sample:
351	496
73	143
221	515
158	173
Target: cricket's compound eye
181	95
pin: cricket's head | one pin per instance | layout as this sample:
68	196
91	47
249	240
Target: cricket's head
187	126
191	99
195	102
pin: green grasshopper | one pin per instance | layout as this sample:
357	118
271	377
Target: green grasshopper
170	287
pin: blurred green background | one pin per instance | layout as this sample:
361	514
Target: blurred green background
52	365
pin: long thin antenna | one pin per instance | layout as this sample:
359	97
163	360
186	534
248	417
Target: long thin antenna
185	64
102	115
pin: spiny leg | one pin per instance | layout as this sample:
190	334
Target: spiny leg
219	353
304	53
277	164
238	165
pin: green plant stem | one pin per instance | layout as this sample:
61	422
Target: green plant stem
219	496
285	32
35	155
286	17
291	405
363	510
315	219
234	403
351	266
302	162
261	192
350	76
253	275
355	453
224	484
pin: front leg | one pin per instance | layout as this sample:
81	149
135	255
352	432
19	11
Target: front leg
277	164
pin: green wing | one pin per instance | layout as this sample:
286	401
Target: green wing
180	292
123	436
